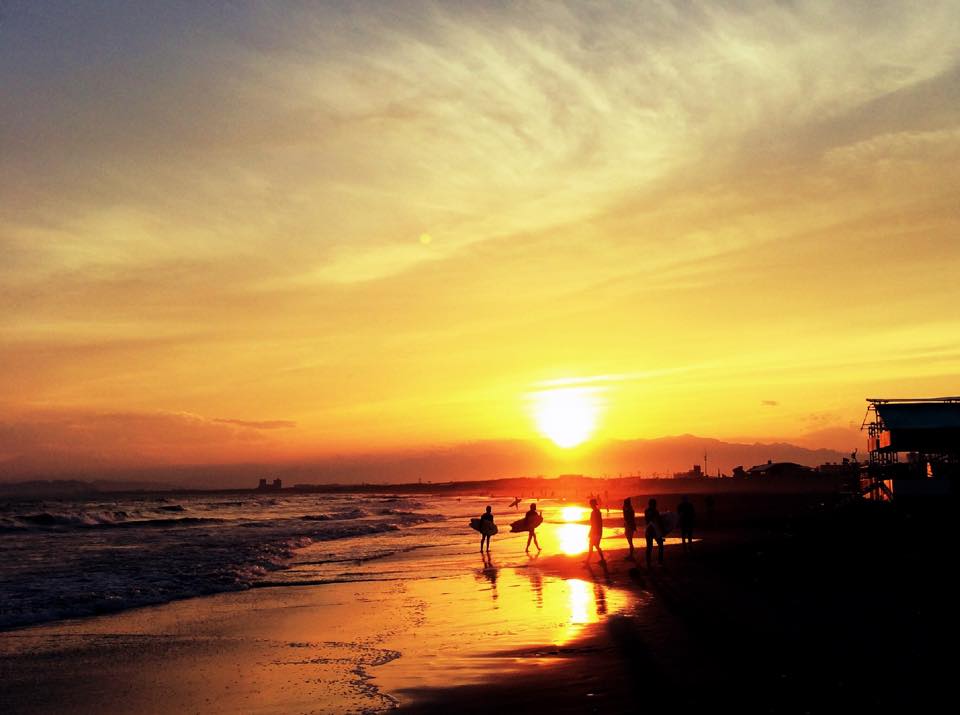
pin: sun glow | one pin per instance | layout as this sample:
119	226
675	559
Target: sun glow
566	416
572	513
573	538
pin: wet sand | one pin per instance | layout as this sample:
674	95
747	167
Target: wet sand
806	614
362	646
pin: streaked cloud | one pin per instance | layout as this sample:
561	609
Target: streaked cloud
221	210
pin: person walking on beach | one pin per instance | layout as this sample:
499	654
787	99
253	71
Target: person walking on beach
654	530
596	531
533	521
685	515
486	518
629	524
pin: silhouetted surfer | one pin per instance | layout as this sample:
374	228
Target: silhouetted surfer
596	531
515	503
533	521
486	517
653	531
686	517
629	524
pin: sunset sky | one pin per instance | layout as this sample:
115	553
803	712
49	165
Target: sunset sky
249	231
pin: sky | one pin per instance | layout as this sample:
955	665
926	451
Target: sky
250	231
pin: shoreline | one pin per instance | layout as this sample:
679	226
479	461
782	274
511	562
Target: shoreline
774	616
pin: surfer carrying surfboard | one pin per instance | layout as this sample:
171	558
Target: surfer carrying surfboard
486	520
654	530
596	531
486	527
533	520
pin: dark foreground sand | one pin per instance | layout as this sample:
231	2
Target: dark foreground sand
824	610
842	609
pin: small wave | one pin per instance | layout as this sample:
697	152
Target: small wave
342	515
180	521
94	520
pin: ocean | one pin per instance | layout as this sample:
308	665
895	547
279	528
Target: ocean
70	558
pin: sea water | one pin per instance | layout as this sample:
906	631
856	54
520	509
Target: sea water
72	558
69	558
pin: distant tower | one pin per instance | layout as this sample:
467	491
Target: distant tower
705	463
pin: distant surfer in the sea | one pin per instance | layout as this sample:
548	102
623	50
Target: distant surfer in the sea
629	524
533	521
685	514
654	530
596	531
487	518
515	504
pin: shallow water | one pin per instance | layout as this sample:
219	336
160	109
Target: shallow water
63	559
351	623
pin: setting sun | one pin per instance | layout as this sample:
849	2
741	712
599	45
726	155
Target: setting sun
567	416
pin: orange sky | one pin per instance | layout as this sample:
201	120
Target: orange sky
244	234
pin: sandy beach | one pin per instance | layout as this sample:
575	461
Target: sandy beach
774	616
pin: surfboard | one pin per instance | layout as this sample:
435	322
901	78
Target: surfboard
524	525
487	528
668	522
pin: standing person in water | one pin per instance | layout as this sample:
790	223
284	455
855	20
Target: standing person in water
533	521
596	531
685	515
486	518
653	531
629	524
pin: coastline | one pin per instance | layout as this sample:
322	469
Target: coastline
775	616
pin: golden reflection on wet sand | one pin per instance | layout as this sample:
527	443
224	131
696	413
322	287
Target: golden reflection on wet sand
473	622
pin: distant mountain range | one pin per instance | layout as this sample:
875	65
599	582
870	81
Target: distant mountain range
469	461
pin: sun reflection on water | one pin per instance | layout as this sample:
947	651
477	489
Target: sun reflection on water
579	602
573	538
572	513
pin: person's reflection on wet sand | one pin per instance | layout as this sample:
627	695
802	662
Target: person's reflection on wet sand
605	574
600	596
536	583
490	573
600	582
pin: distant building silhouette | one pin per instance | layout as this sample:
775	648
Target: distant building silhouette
275	486
777	470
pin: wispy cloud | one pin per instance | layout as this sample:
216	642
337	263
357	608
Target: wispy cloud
263	424
691	205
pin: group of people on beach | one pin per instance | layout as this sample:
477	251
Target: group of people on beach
654	527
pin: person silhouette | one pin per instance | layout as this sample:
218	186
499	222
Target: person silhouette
533	521
629	524
486	518
596	531
686	517
653	531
